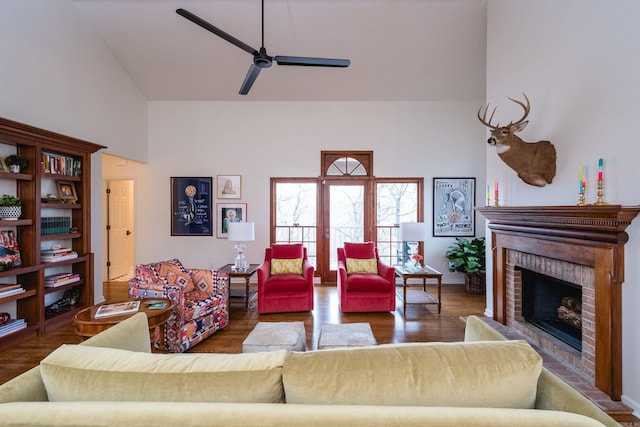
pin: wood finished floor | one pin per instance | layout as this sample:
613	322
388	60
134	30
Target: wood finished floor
422	323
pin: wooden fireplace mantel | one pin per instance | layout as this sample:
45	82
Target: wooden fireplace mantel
587	235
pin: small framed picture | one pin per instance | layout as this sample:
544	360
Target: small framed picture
227	213
67	191
3	165
229	186
454	200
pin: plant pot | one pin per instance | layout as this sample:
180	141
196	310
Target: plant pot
475	283
14	168
10	212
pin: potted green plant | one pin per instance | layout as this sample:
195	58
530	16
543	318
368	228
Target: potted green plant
10	207
16	163
469	257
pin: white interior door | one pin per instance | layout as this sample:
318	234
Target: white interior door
120	228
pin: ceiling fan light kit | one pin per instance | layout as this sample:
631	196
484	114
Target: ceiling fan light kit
260	57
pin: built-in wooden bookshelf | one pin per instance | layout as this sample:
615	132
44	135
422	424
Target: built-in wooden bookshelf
33	185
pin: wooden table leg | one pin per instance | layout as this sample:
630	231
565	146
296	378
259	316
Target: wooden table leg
404	295
246	295
439	293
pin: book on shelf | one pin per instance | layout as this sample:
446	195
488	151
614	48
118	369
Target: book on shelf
55	280
7	290
55	257
60	165
117	309
11	326
9	250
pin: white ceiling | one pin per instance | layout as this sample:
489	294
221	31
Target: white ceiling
430	50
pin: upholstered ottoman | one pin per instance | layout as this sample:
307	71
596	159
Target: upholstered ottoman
346	335
269	336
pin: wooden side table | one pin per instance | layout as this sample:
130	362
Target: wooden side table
87	325
246	275
423	296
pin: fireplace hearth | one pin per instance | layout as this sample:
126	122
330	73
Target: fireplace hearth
583	245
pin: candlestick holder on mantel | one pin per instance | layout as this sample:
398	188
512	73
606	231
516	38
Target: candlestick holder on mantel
496	202
600	200
581	201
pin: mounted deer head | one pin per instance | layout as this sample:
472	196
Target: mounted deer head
534	162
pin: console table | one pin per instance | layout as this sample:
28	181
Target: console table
242	274
420	296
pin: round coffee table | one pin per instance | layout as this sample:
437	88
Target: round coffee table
87	325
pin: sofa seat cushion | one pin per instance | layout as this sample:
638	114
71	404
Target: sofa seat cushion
82	373
479	374
286	283
367	283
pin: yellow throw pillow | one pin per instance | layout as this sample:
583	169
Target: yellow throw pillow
286	266
356	265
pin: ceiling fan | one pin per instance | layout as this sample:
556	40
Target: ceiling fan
260	58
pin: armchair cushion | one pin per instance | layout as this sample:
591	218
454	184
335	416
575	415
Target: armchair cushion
286	283
203	284
357	265
288	251
368	283
359	250
286	266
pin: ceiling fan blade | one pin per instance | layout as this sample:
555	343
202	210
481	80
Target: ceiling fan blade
251	77
311	62
217	31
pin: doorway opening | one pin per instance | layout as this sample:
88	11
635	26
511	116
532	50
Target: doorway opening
120	228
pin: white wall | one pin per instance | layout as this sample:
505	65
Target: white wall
259	140
579	62
57	74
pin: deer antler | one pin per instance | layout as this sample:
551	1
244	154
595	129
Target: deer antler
526	108
483	119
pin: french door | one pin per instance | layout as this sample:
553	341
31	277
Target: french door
346	217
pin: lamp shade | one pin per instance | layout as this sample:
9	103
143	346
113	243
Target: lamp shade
241	232
413	231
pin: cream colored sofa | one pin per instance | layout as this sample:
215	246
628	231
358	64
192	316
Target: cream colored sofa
112	379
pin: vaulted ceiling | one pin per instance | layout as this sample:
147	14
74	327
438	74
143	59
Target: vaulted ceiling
418	50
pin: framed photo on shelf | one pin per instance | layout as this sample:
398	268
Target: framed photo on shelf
229	212
3	165
191	206
453	207
67	191
229	186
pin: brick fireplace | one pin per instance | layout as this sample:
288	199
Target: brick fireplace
581	245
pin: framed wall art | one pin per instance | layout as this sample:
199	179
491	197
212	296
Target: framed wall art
229	212
191	206
229	186
453	207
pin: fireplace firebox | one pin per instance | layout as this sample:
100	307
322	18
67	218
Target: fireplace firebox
553	305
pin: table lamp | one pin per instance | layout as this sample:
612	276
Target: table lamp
241	232
412	233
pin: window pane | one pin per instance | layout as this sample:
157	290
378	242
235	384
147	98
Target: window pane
296	204
396	202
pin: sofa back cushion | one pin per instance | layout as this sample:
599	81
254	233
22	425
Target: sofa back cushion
82	373
480	374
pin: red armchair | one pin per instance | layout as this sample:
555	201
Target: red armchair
365	284
285	280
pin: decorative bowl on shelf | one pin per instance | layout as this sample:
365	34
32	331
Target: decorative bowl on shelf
10	212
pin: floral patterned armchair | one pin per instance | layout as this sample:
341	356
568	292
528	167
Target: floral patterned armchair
201	300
